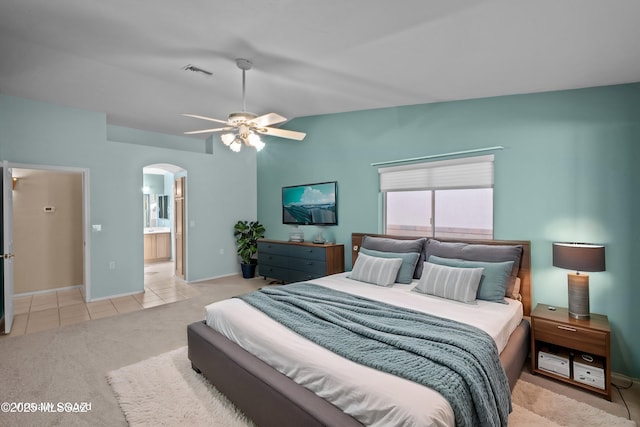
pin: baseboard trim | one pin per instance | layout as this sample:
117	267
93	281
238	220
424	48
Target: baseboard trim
622	380
48	291
117	296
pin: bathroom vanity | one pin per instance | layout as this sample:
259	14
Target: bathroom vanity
157	244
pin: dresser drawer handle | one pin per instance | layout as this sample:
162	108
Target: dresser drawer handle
567	328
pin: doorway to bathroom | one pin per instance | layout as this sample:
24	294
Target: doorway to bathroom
164	214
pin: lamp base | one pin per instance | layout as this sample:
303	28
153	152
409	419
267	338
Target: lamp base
578	295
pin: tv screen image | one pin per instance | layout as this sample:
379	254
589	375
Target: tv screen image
310	204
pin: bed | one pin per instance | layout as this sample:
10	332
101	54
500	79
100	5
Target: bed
269	397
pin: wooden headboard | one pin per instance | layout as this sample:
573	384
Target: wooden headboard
525	261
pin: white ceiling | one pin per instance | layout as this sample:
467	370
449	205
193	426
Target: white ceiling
126	57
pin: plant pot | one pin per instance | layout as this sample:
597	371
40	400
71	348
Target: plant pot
248	270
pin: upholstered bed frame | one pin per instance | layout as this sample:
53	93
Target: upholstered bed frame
270	398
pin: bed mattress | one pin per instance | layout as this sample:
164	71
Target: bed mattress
370	396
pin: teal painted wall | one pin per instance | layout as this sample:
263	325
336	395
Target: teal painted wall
567	173
221	187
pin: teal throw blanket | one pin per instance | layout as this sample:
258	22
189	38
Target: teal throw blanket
459	361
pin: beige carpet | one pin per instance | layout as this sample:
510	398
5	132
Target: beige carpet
164	390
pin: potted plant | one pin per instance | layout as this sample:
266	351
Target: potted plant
247	234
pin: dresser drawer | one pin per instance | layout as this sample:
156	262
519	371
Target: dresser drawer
310	252
302	264
287	274
273	260
272	248
292	250
574	337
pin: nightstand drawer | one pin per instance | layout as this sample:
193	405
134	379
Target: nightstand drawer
574	337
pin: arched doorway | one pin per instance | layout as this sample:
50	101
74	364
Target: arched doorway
164	216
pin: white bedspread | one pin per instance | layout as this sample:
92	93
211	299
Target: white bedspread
372	397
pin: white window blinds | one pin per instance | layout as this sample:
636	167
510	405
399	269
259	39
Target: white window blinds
468	172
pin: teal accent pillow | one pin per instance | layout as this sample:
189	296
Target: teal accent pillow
495	276
409	260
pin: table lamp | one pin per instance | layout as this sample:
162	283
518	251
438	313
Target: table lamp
578	257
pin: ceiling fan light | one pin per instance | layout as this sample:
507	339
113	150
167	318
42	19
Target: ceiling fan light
235	146
227	138
253	139
258	145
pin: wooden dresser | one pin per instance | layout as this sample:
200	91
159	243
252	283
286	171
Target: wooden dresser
298	261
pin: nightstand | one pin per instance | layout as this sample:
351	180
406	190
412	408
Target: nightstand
575	351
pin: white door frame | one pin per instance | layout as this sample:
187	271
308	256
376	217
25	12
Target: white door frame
86	235
7	245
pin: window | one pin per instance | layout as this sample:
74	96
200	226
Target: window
445	199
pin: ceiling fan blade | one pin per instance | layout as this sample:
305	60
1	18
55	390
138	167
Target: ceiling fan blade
283	133
269	119
204	118
194	132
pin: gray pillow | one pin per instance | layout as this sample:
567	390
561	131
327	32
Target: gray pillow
379	271
476	252
385	244
409	260
495	276
459	284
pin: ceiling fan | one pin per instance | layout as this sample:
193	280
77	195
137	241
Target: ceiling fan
243	127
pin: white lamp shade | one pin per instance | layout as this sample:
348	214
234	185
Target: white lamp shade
235	146
234	142
259	145
255	141
227	138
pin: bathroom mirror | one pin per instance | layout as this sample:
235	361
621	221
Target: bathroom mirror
150	202
155	207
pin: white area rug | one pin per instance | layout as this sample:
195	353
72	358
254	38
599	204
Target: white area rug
536	406
165	391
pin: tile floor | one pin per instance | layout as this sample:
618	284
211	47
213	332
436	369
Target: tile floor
40	312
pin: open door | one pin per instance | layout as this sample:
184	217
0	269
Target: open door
6	249
179	229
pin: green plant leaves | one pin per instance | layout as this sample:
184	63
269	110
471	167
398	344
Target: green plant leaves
247	234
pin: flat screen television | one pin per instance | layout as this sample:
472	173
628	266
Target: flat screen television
310	204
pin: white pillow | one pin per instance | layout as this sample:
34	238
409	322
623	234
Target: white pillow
379	271
459	284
